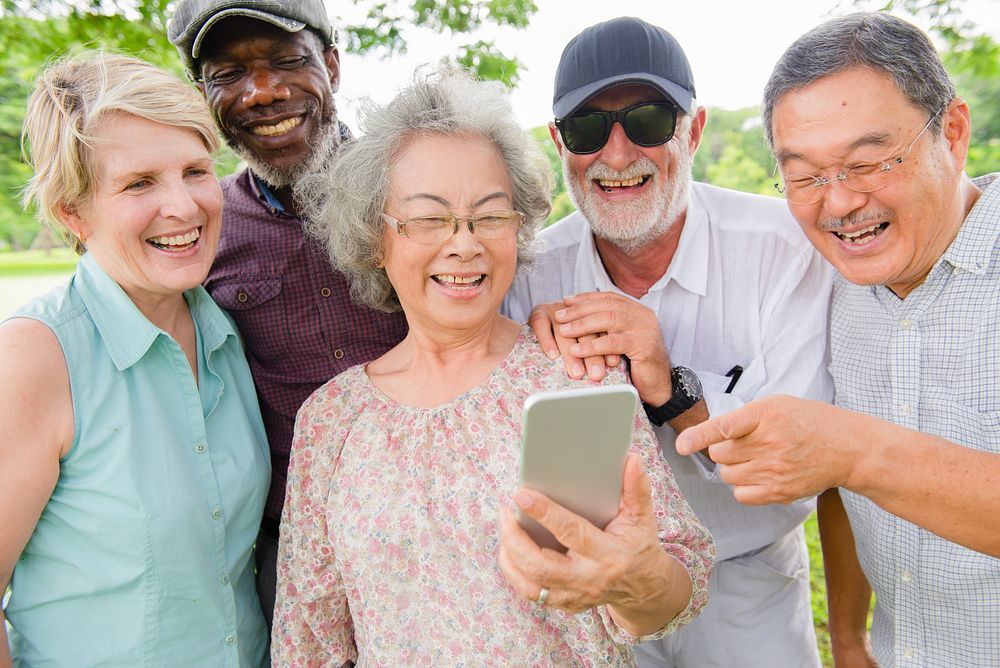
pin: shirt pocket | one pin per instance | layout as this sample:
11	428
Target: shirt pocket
257	304
960	423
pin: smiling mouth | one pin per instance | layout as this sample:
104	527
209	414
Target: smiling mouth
277	128
464	282
610	185
177	242
863	236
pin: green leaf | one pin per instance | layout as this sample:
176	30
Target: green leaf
487	62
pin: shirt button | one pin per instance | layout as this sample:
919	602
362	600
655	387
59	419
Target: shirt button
242	297
906	323
908	653
200	448
906	576
325	292
224	579
230	640
338	353
216	513
906	409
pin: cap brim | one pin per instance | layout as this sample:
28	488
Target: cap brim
572	100
286	24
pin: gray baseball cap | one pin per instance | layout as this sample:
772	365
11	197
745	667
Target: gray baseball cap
193	19
619	51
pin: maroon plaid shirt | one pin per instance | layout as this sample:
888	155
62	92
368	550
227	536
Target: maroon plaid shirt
295	313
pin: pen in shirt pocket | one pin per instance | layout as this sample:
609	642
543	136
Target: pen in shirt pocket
734	374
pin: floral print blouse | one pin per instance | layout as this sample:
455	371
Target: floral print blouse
390	531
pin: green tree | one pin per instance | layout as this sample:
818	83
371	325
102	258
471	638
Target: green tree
383	30
972	57
738	171
33	33
975	66
733	152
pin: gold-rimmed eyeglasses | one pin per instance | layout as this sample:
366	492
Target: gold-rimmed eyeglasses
861	177
488	225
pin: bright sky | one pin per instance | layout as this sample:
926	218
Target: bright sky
731	44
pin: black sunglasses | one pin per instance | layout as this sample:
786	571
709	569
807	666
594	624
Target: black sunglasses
645	124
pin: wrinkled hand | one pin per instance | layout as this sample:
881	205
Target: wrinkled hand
621	565
628	328
542	321
780	448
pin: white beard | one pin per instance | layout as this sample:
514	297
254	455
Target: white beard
324	145
632	225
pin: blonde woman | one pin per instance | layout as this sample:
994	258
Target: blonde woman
133	460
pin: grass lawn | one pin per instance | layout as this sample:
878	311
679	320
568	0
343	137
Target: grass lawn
33	263
27	274
818	587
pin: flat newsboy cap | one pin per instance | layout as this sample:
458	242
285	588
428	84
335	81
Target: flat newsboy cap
619	51
193	19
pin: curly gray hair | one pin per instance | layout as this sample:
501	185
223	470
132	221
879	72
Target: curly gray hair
344	206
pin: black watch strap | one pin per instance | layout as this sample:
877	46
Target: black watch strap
686	393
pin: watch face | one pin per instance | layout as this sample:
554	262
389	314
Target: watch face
689	382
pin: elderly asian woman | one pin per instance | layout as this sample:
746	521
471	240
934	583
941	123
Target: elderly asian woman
133	459
398	543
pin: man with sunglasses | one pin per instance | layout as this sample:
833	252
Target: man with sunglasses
714	297
871	141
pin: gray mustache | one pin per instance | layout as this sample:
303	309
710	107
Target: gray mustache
855	219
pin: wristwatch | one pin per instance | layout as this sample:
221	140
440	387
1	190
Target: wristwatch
687	392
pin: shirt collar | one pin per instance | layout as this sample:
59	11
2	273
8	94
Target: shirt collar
972	248
125	331
688	268
263	192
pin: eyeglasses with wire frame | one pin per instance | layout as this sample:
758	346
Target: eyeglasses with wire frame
861	177
430	230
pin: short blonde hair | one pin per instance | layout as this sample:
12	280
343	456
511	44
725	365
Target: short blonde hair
71	99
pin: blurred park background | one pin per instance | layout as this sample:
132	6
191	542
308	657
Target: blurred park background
383	35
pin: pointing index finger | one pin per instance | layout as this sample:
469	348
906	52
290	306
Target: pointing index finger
737	424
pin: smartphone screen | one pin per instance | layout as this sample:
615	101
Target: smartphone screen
573	448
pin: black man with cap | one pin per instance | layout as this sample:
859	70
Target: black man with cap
715	298
269	70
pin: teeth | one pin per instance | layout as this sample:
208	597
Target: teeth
460	280
858	233
178	240
625	183
860	237
277	129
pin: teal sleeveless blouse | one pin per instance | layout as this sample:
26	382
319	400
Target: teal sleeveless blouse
143	555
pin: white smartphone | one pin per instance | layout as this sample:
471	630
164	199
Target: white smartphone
573	448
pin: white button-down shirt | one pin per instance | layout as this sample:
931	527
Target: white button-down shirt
744	288
930	362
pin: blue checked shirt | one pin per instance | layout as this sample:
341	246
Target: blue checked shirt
930	362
